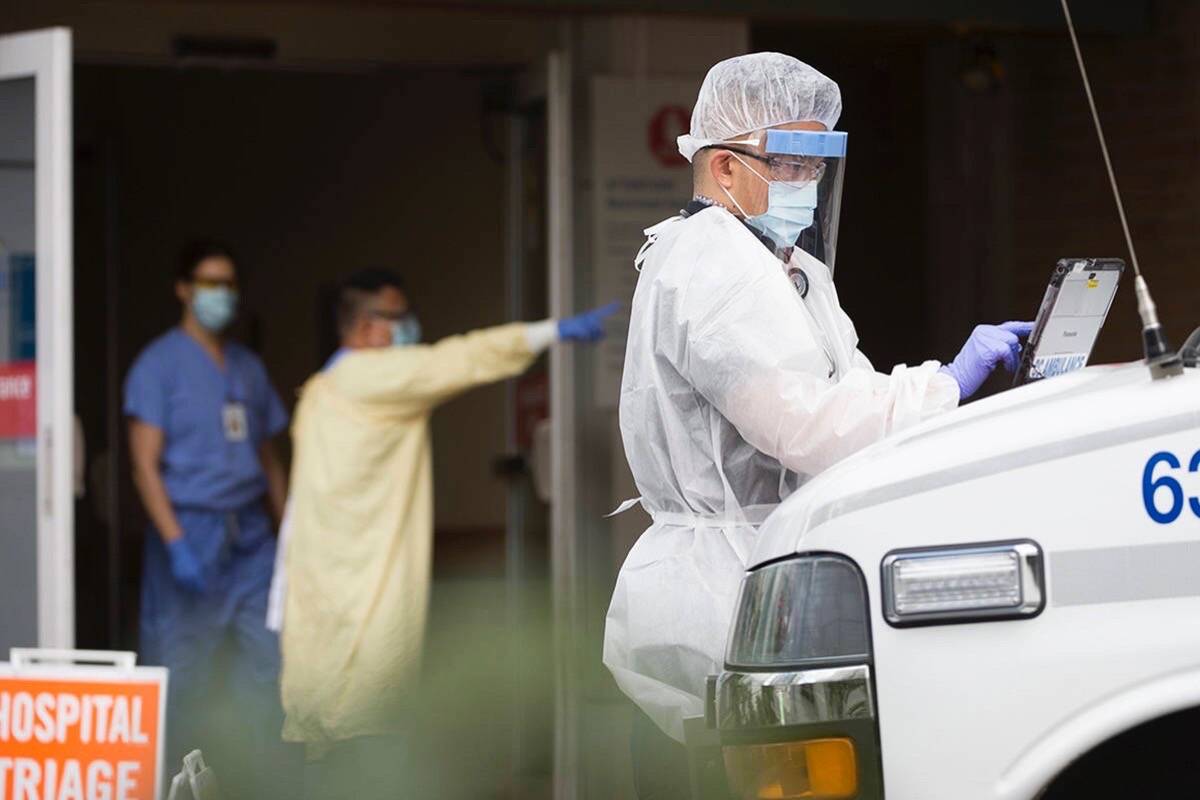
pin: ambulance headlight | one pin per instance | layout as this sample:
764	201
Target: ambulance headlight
810	609
971	583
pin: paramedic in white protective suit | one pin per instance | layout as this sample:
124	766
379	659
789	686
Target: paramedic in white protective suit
742	380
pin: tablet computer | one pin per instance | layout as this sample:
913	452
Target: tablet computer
1073	311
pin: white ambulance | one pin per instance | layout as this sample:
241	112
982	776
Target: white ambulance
1000	604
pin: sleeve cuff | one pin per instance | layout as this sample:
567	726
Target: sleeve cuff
945	388
140	415
540	335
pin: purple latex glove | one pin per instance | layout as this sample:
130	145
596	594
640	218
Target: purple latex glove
185	567
987	348
588	326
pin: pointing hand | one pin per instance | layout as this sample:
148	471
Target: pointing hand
588	326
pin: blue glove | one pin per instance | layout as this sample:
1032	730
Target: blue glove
988	347
586	327
185	568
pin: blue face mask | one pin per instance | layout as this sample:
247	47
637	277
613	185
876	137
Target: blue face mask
406	331
214	307
790	211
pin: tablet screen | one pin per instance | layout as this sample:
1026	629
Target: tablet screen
1072	314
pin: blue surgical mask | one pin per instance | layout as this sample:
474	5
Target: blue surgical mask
406	331
214	307
790	210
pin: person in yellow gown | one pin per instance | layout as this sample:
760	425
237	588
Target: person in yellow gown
359	527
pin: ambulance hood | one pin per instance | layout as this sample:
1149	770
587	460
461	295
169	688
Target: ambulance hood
1084	411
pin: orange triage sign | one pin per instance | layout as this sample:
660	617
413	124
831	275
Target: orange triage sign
78	740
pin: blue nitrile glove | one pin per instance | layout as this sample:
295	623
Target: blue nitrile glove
586	327
185	568
987	348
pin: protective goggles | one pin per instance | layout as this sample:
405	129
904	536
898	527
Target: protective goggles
390	316
801	158
215	283
793	156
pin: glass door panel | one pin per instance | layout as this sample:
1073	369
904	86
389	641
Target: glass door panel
36	392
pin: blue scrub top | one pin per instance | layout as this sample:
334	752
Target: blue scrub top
175	386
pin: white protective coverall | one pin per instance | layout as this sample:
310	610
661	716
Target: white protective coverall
735	391
360	519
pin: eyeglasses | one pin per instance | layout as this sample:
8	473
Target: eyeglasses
800	169
216	283
389	316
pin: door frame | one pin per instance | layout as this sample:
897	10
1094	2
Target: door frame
45	56
564	530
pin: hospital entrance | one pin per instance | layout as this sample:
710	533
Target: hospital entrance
311	175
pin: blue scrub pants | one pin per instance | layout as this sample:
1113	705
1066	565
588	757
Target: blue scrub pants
236	709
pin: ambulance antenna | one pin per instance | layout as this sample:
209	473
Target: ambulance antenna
1163	361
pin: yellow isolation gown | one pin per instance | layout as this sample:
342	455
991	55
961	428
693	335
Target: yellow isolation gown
359	555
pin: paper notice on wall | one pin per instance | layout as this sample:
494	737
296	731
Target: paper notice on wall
639	179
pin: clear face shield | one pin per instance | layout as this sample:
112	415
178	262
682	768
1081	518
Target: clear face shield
805	169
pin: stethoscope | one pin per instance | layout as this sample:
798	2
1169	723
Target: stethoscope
799	279
795	274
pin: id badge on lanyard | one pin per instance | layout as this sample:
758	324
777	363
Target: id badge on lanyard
233	413
233	416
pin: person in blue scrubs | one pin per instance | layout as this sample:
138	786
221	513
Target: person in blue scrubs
201	414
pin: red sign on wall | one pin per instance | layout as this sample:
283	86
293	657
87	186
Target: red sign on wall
533	406
666	126
18	400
